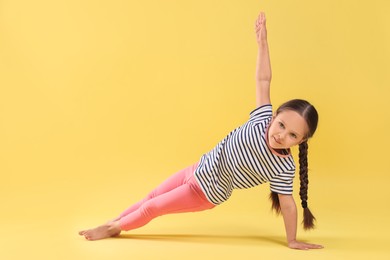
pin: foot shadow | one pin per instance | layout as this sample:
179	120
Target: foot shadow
208	239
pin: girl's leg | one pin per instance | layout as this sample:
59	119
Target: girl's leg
180	193
182	199
169	184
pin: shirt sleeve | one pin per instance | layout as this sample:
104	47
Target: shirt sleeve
282	184
261	113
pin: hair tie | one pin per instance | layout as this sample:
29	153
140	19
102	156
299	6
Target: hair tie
304	204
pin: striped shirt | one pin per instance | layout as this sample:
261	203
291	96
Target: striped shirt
244	160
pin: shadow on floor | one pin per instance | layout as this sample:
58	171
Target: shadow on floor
207	239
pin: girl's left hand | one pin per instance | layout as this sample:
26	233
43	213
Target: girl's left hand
261	29
303	246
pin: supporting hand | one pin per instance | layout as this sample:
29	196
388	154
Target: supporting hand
303	246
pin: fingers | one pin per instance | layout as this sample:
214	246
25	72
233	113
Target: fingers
260	21
262	17
304	246
313	246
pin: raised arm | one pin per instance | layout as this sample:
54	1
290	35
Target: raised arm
289	212
263	66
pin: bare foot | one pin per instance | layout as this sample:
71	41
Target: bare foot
101	232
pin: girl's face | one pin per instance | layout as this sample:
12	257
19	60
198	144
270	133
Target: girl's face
287	129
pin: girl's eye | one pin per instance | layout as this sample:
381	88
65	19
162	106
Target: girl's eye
281	125
293	136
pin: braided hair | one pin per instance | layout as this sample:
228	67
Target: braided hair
309	113
308	217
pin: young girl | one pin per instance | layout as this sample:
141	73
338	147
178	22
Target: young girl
252	154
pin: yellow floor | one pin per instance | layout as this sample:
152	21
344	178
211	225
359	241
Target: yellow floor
44	225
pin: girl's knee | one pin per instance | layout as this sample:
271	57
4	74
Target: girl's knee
150	210
151	195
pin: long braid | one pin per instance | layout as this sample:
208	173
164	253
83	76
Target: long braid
308	218
309	113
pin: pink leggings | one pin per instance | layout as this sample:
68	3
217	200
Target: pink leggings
179	193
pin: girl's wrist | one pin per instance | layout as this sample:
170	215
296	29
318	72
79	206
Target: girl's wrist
263	44
291	241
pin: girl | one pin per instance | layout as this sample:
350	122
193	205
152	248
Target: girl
252	154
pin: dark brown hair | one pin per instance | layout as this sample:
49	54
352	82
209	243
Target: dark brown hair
309	113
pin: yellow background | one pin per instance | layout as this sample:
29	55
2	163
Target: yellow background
102	100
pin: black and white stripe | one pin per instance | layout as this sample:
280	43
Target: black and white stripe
244	160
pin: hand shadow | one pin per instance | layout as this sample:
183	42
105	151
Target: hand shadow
207	239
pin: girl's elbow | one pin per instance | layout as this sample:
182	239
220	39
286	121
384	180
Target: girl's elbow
287	202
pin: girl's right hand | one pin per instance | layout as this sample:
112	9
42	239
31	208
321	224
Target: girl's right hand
303	246
261	29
